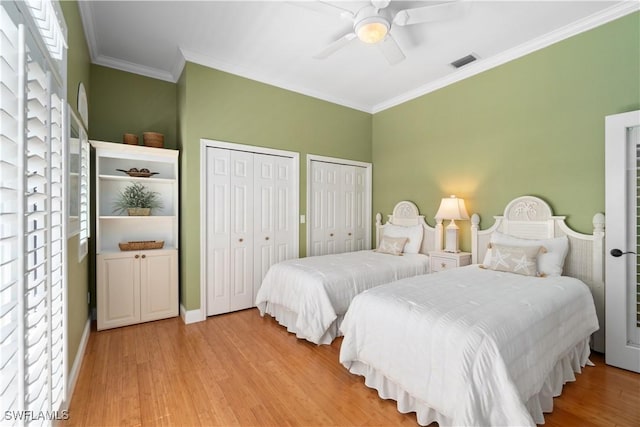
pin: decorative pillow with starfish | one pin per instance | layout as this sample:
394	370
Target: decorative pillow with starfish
514	259
392	245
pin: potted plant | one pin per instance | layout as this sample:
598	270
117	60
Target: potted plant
136	199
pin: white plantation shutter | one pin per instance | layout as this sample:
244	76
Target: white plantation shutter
84	195
11	242
32	322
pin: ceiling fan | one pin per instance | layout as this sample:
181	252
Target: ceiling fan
372	24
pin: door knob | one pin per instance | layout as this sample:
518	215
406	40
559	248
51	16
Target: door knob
240	240
349	234
266	238
331	235
618	253
137	256
144	256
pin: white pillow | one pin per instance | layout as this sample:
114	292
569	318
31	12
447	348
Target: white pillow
413	233
550	263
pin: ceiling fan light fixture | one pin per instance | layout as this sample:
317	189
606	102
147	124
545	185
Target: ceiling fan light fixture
372	30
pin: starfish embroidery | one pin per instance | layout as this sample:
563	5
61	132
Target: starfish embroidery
523	264
500	259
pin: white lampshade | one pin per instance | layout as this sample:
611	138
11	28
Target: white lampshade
454	209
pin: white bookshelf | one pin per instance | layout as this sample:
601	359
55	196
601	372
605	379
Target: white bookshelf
135	286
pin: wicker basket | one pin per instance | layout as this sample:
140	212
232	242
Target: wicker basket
130	138
153	139
141	245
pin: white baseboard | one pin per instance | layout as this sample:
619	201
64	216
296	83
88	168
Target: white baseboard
77	362
191	316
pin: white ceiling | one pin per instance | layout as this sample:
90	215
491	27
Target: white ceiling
274	42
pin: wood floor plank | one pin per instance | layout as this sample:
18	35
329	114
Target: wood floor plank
242	369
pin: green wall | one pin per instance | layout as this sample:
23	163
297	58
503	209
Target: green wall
216	105
124	102
532	126
77	271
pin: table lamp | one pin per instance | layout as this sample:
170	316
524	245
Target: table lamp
452	208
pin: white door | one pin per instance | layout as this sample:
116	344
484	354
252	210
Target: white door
242	241
339	206
622	314
218	229
274	219
324	211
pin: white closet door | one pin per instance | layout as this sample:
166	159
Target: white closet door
217	264
242	240
274	219
326	205
264	220
338	208
345	231
360	209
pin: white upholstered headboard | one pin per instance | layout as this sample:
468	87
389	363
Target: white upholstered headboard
406	213
530	217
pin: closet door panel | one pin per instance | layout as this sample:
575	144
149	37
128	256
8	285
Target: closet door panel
326	207
285	218
360	209
348	194
218	230
241	246
264	221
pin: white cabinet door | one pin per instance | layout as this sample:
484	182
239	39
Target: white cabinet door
158	285
241	205
118	289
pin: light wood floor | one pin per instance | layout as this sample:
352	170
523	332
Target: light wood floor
241	369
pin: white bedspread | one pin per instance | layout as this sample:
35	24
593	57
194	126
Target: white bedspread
309	295
469	346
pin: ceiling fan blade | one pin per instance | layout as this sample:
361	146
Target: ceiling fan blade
391	50
335	46
325	8
419	15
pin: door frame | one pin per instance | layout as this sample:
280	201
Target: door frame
368	190
294	204
618	351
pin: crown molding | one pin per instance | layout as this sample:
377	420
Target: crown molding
607	15
211	62
134	68
86	16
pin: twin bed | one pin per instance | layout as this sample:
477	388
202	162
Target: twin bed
484	346
309	296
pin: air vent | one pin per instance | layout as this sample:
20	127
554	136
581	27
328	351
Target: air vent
464	61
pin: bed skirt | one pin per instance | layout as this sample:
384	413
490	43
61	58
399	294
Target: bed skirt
564	371
289	319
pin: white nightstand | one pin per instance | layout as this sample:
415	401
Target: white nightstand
446	260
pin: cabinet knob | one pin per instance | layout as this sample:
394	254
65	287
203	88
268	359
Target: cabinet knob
144	256
266	238
137	256
443	265
240	240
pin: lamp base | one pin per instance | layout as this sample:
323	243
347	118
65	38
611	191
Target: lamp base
451	238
